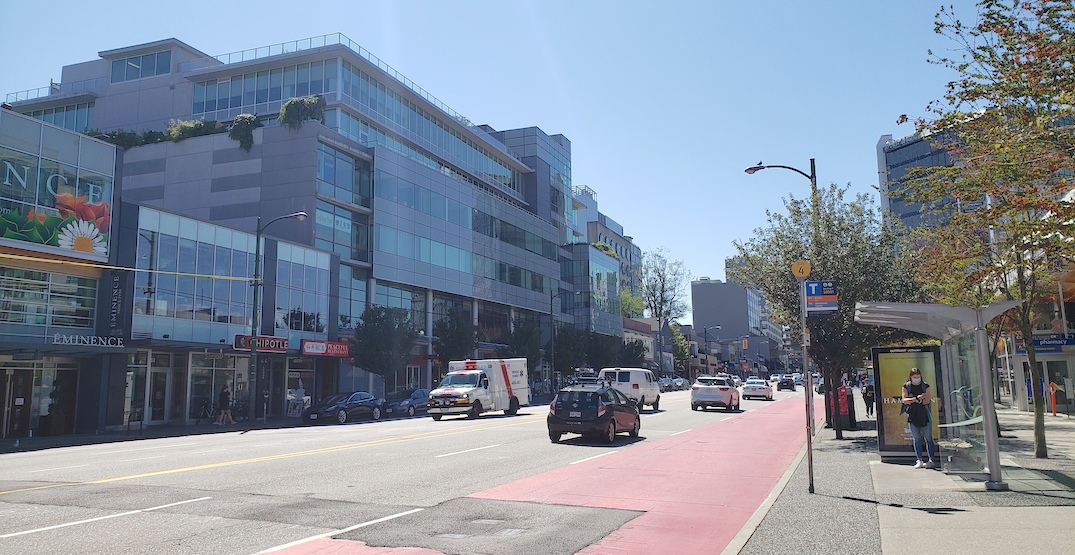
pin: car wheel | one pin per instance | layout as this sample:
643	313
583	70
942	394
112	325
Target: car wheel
376	414
638	426
695	407
513	407
410	410
610	433
656	404
729	407
641	404
437	417
475	410
555	436
341	416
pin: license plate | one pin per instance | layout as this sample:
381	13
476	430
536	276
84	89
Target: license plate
574	414
313	417
445	403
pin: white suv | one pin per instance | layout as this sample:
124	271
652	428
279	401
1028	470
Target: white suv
714	391
638	384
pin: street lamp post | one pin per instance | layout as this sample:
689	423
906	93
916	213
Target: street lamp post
706	329
815	213
254	324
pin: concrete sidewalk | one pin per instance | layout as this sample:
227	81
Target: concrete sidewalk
862	505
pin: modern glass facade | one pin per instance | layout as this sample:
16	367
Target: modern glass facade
140	67
76	117
194	279
32	302
56	188
263	91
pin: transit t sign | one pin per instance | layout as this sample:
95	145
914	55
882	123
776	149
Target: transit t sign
821	298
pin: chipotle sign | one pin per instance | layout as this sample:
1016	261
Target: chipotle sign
315	347
266	344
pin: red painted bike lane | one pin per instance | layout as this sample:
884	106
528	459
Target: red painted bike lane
697	489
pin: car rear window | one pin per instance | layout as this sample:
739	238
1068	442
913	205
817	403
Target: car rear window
712	381
581	397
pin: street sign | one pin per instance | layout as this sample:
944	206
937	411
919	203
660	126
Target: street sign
801	268
821	298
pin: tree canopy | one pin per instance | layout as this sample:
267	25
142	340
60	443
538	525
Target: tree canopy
456	336
1007	121
383	340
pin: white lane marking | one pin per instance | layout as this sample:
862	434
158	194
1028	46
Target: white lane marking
467	451
136	511
594	457
340	531
147	448
681	432
142	458
60	468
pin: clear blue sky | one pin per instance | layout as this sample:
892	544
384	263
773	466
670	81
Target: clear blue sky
665	103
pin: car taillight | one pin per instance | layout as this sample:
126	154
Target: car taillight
600	410
723	388
634	386
552	406
694	388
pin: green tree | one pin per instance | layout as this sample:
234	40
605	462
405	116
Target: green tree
664	286
571	346
383	340
631	305
456	336
632	353
602	351
524	341
681	351
859	253
1006	121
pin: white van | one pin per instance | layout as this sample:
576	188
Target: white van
639	384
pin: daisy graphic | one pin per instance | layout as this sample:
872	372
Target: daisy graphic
82	236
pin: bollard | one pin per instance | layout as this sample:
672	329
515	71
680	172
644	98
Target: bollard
1052	394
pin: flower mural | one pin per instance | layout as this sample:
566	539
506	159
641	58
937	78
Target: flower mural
76	225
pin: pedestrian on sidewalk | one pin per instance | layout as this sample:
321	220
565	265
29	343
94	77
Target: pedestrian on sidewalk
868	396
917	400
224	406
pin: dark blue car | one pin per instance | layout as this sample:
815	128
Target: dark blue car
344	407
406	402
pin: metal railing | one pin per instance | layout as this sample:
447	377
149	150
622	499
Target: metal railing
86	85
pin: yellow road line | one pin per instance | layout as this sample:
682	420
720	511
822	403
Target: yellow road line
319	451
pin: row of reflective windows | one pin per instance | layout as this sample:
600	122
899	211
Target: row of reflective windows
422	249
427	201
138	67
47	299
341	231
358	86
353	287
367	135
250	89
76	117
343	177
32	183
26	139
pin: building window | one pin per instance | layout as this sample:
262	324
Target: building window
302	283
140	67
342	231
34	298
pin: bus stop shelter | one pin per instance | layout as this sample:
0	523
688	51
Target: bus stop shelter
968	433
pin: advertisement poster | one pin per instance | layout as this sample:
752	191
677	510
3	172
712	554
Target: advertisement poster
891	368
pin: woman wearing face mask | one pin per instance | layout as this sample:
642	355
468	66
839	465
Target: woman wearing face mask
917	398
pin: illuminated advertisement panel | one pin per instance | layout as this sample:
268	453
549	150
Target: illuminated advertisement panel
56	188
891	368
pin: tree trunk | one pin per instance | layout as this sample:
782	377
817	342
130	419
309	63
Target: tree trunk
1038	395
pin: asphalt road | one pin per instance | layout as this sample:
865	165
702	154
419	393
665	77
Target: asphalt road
245	492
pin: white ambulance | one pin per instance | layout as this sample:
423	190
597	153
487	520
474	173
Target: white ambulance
476	386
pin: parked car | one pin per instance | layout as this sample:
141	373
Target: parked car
592	410
681	384
757	388
714	391
667	384
786	382
344	407
798	378
406	402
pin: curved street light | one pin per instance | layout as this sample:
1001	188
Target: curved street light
254	327
815	212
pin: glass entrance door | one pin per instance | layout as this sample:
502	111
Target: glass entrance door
158	395
17	388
